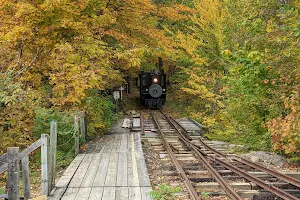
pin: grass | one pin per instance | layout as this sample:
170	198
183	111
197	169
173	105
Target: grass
2	190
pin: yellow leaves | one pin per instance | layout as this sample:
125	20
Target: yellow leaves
227	52
174	12
130	59
269	27
17	32
211	12
190	44
122	37
26	11
71	80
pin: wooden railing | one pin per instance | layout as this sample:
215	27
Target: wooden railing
10	161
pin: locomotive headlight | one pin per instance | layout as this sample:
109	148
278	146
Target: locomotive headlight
155	80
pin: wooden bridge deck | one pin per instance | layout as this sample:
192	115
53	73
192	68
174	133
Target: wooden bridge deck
115	172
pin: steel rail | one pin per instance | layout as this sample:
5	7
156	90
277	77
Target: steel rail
274	173
211	149
187	182
226	187
280	193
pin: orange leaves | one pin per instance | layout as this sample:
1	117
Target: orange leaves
285	130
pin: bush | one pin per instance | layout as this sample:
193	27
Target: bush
101	112
164	192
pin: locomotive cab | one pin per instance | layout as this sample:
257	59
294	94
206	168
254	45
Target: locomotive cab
153	89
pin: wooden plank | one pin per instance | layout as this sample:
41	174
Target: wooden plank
25	152
76	135
126	123
109	193
57	193
92	170
112	171
122	193
123	143
102	170
25	176
129	145
52	156
3	159
136	123
144	193
70	194
45	163
132	165
13	179
135	193
116	143
83	194
122	176
30	149
141	164
137	143
129	170
70	171
81	171
96	193
108	141
142	171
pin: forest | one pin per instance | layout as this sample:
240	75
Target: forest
232	65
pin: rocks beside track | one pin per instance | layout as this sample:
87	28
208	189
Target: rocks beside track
268	158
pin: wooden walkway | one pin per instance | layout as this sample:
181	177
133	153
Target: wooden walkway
116	172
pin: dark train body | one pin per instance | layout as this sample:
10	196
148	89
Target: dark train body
153	89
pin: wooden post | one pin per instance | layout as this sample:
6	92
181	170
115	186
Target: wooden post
52	157
142	123
13	173
82	126
76	134
128	84
86	125
25	176
45	163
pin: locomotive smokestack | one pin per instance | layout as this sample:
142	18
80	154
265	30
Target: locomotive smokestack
160	63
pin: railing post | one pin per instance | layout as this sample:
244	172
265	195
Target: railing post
52	157
82	126
25	176
142	123
76	135
86	124
45	163
13	173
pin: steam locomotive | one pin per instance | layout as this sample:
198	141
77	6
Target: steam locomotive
153	88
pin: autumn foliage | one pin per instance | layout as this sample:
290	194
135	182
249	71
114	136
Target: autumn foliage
54	55
232	65
239	72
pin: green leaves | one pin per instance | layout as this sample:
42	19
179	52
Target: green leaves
164	192
9	90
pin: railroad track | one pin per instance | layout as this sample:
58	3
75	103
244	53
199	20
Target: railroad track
223	168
